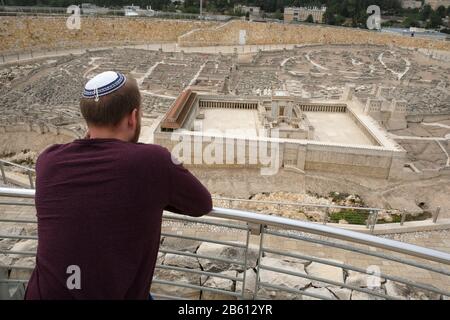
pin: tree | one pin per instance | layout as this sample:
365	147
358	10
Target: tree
441	11
310	19
329	17
340	20
238	12
278	15
410	22
426	12
435	20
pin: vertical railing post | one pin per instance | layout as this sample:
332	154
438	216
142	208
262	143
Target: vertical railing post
436	214
373	219
325	218
4	287
30	177
2	170
402	221
247	244
368	219
260	251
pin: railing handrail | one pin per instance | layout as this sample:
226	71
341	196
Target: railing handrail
17	165
333	232
17	192
304	226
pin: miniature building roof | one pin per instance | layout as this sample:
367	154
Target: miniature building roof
179	110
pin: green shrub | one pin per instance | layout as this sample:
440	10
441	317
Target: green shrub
351	216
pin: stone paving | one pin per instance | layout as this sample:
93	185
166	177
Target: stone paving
336	127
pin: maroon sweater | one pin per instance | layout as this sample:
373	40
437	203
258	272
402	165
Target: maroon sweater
99	205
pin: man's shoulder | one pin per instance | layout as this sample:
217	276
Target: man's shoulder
52	149
152	151
151	148
140	152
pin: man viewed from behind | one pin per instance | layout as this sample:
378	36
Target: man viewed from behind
99	201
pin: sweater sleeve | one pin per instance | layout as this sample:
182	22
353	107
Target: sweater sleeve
187	195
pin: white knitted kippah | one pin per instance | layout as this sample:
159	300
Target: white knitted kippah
102	84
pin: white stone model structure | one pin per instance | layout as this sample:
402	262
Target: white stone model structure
324	136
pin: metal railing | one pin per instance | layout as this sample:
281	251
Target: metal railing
22	170
370	222
254	274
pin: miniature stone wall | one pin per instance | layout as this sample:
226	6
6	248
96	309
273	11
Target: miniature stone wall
23	33
36	137
20	33
302	154
275	33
